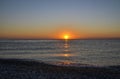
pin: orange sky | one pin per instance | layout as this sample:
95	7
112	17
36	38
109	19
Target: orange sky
39	19
57	34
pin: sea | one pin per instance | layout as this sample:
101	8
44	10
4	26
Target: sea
64	52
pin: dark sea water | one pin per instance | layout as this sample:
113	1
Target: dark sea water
61	52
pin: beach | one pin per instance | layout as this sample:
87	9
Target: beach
31	69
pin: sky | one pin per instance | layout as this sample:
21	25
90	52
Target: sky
51	19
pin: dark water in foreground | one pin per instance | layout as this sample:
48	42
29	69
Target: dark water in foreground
61	52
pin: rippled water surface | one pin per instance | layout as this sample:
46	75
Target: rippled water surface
92	52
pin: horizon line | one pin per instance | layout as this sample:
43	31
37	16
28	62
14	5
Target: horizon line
59	39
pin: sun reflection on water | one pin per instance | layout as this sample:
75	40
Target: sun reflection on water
66	47
65	55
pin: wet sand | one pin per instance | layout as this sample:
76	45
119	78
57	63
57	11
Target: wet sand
31	69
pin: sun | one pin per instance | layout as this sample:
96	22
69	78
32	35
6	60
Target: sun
66	37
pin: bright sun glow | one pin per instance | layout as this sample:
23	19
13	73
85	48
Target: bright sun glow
66	37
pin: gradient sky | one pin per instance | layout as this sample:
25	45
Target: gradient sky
42	19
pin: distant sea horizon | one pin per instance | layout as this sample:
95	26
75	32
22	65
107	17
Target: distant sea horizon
111	38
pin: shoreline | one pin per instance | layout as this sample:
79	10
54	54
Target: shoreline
31	69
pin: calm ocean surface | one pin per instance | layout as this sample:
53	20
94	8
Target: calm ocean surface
61	52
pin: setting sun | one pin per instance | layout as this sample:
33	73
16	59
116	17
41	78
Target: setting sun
66	37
